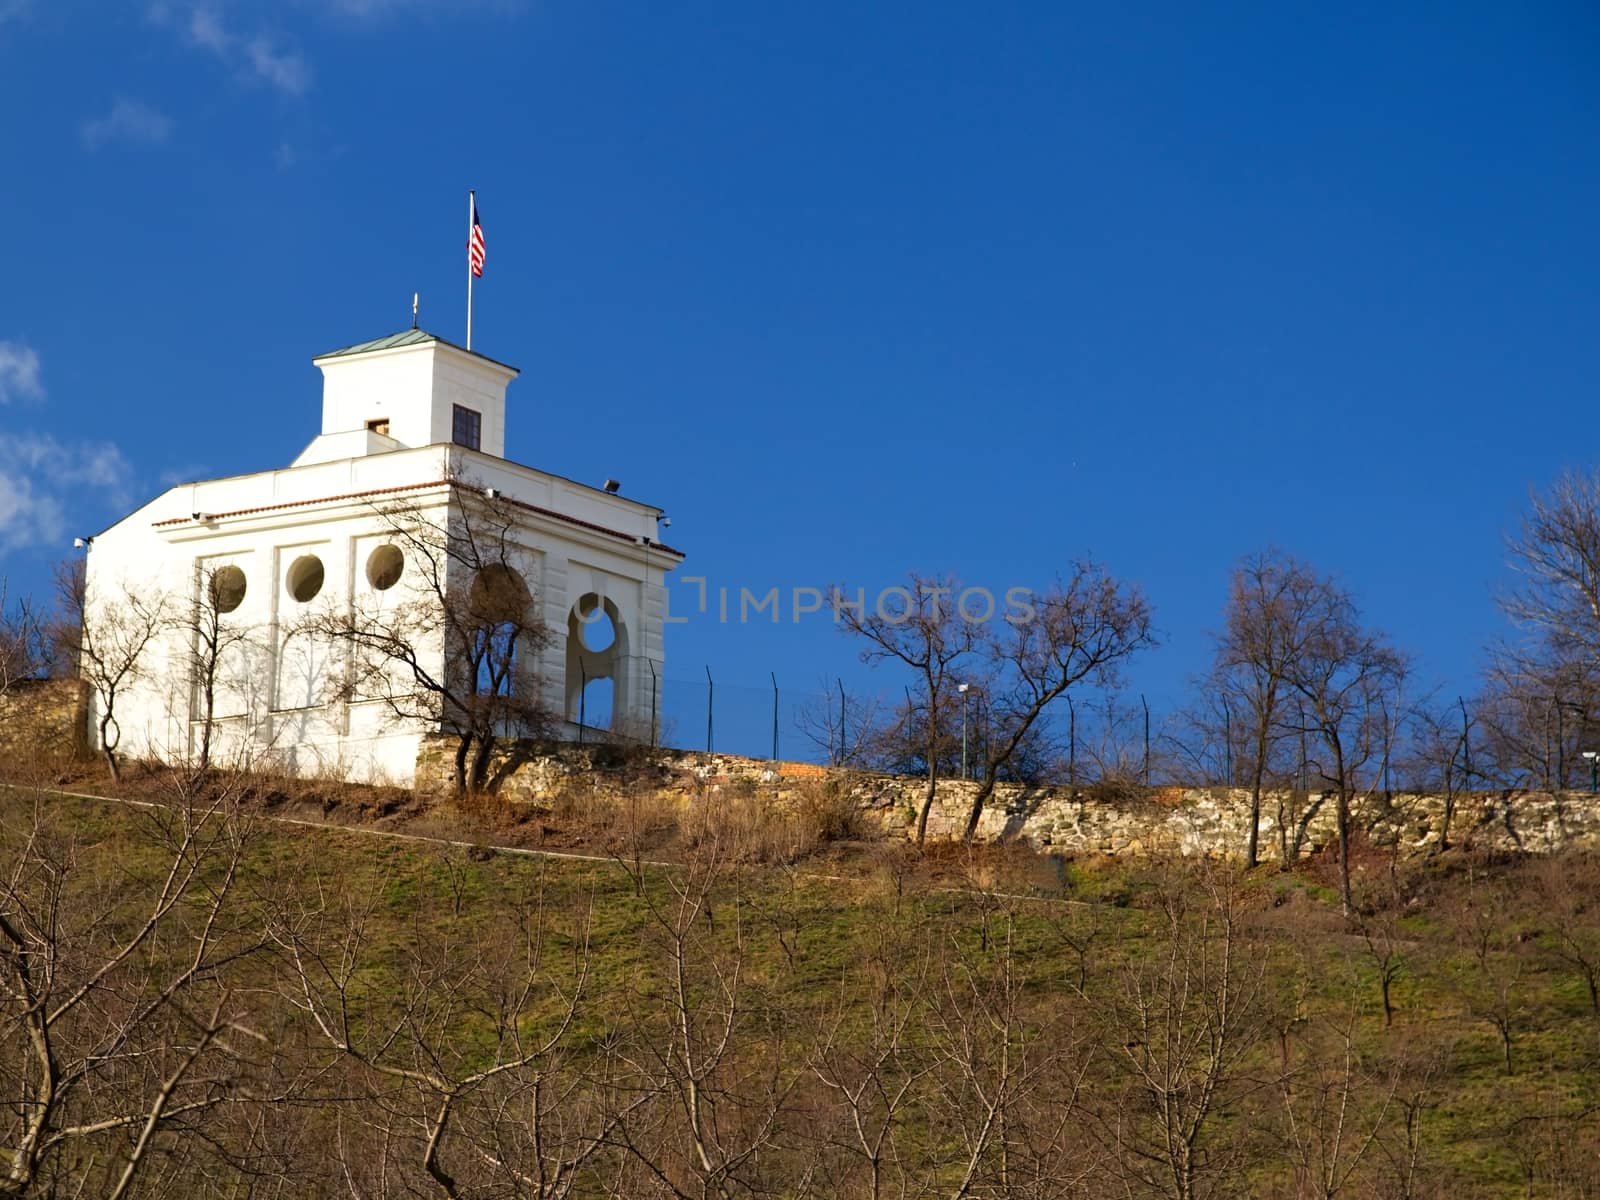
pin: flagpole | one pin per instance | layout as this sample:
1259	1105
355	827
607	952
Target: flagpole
472	205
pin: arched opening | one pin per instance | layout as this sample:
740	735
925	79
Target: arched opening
595	704
498	596
498	609
596	651
598	630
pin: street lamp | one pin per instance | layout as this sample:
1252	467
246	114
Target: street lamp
963	689
1594	765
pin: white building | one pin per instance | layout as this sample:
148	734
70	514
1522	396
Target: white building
407	420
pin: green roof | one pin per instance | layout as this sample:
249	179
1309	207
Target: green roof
408	337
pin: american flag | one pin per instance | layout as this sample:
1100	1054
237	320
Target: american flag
475	243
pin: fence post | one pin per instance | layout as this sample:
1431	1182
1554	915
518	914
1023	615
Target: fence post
711	694
1146	739
1547	750
1388	791
1305	782
1561	747
1072	742
583	698
1466	745
842	742
983	699
1227	743
655	705
911	712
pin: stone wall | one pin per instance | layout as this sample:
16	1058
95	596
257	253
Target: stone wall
42	722
1087	820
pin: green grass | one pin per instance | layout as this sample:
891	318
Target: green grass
808	942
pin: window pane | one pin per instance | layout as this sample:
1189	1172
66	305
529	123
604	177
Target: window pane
467	427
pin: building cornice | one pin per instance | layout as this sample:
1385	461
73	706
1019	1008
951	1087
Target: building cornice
266	508
550	514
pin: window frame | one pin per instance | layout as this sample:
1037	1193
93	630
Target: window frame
468	420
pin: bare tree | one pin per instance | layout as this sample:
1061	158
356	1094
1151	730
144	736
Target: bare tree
1181	1025
933	639
455	646
1081	630
1543	687
471	1068
125	1021
1440	757
714	1062
222	650
1262	637
1493	991
1007	1076
1334	1107
1349	679
23	650
847	727
1569	896
1404	1145
872	1064
1556	555
111	637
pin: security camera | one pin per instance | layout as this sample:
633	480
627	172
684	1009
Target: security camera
666	522
198	516
81	542
492	493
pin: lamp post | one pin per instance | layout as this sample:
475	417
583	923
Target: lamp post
963	689
1594	767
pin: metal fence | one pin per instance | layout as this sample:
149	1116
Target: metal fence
1083	738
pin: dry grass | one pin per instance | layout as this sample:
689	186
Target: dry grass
752	827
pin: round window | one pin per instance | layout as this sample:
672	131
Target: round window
305	577
384	566
227	589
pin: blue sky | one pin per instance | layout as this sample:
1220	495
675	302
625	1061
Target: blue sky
849	290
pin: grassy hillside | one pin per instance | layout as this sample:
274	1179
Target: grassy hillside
241	1007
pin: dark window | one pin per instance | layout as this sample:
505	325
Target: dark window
467	427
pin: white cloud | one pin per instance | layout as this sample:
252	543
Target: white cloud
187	473
131	121
19	373
205	31
285	70
374	11
40	475
256	57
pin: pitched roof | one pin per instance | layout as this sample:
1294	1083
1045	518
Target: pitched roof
407	337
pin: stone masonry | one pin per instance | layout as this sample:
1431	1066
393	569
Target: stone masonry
1086	820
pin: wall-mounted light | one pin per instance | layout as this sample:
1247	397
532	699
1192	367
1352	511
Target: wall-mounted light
492	493
613	486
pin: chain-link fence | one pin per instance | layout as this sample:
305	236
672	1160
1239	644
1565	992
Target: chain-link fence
1091	736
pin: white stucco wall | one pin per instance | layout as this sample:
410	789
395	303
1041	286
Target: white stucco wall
415	388
275	700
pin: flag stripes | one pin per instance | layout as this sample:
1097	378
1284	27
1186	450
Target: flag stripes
475	247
